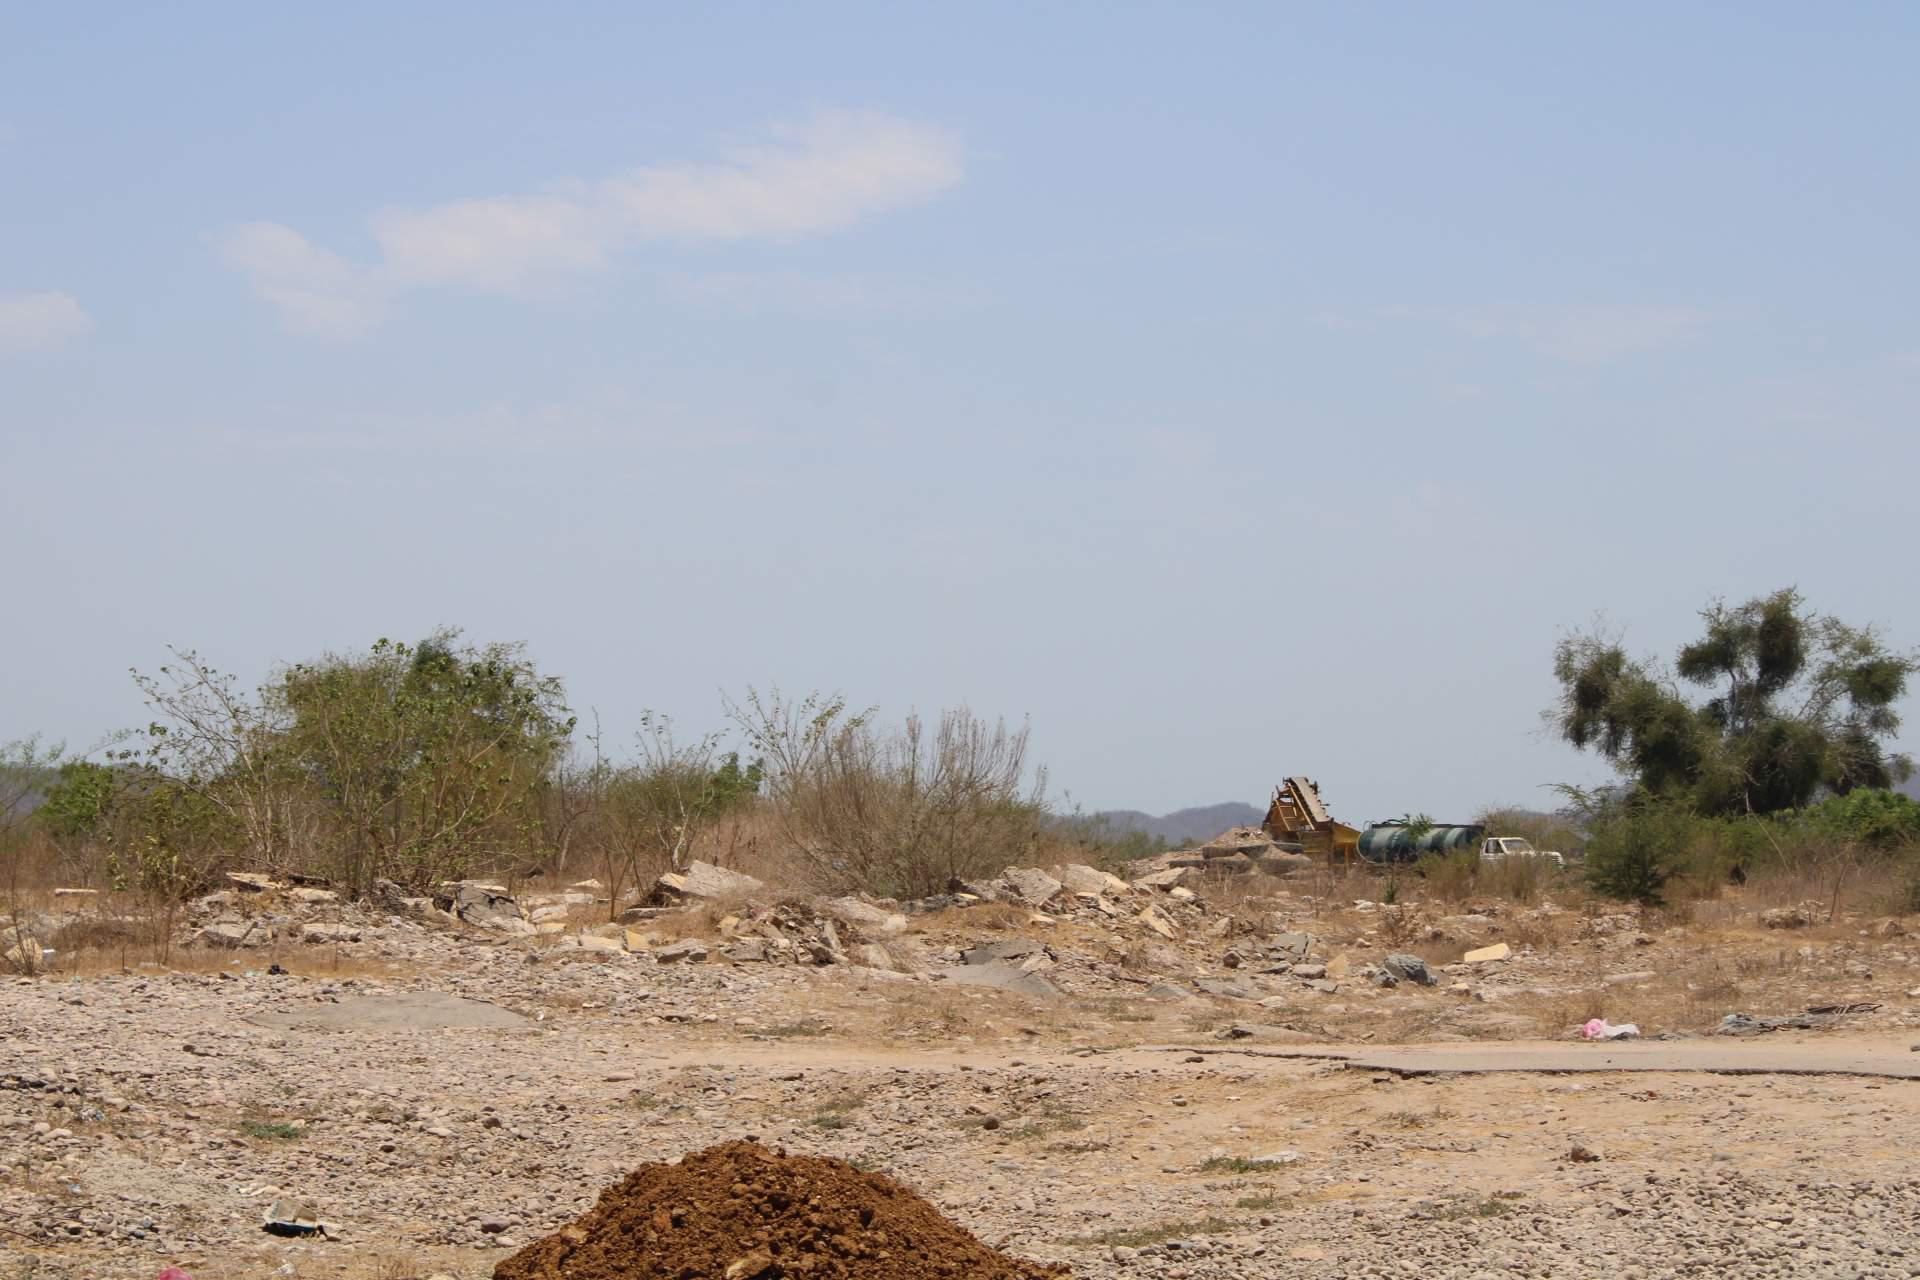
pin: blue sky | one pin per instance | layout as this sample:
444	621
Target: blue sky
1235	391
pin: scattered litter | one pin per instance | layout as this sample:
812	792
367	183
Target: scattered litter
1601	1029
1815	1017
292	1218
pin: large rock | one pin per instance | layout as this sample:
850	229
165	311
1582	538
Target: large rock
23	954
1786	918
704	880
1031	885
1409	968
484	906
872	921
1079	878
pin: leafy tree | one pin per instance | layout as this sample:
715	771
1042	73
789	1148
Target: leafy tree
80	799
1798	702
423	758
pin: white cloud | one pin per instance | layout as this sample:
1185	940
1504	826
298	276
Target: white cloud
316	291
34	321
820	177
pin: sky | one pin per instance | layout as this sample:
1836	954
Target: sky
1231	391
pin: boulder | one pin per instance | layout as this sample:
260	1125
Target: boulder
1498	951
871	955
483	905
746	951
703	880
983	890
1409	968
23	952
1785	918
1031	885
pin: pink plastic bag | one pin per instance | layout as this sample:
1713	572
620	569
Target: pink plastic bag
174	1273
1601	1029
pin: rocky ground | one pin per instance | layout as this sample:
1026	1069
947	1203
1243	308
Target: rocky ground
1080	1078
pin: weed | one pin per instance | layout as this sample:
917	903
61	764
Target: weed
834	1113
790	1030
1240	1164
1258	1202
1140	1237
1461	1208
272	1130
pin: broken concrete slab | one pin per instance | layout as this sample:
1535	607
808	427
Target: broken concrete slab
1080	878
1002	975
328	933
1009	949
1295	945
1155	920
402	1011
691	951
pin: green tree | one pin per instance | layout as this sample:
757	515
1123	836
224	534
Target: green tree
80	800
423	759
1797	702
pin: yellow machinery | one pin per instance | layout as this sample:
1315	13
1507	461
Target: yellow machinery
1298	816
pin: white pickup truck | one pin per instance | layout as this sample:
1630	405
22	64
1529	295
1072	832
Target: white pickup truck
1496	848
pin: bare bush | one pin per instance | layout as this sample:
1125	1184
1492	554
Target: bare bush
899	811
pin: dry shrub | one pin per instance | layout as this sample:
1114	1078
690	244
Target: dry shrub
898	812
1450	877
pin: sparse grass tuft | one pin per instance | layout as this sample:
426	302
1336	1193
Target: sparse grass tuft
272	1130
791	1030
1141	1237
1240	1164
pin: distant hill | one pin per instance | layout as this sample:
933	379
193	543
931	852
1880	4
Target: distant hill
1186	827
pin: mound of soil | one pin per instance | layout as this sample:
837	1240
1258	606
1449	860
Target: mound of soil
741	1211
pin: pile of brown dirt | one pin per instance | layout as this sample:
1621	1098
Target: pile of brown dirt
741	1211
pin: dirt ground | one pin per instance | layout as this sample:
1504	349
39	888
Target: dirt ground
441	1095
